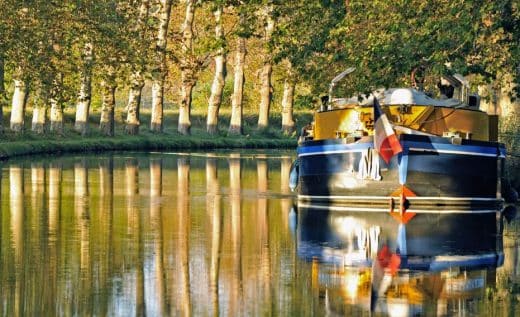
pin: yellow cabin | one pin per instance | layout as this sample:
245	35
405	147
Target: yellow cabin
410	111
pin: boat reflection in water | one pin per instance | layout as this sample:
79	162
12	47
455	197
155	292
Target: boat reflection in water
445	261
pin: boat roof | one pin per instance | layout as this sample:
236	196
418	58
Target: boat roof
397	96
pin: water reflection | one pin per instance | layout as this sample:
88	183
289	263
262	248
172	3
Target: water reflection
446	262
217	234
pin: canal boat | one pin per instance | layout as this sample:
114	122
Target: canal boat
400	149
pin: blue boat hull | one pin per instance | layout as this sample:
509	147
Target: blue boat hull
435	170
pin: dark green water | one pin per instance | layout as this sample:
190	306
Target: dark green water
221	234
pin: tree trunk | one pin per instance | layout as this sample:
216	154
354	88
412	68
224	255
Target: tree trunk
18	105
137	77
185	108
108	104
287	106
56	116
187	70
156	124
266	89
219	80
159	73
39	116
265	96
134	101
235	125
3	97
85	93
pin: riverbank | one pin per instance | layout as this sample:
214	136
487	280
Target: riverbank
29	143
157	142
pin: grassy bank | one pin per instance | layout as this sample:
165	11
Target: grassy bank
29	143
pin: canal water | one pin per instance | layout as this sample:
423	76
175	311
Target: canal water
197	234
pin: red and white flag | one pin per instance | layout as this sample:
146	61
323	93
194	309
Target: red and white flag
385	140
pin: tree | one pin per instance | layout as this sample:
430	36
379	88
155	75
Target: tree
3	97
136	83
159	71
20	49
219	78
120	43
386	41
108	101
246	11
40	111
188	66
495	58
20	96
235	124
58	64
266	89
56	105
305	40
85	92
288	100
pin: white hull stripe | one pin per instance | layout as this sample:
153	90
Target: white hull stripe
454	152
331	152
386	198
417	211
333	148
411	146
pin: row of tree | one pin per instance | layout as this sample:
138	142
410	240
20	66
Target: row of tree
55	50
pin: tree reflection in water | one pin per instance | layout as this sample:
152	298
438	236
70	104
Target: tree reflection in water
212	234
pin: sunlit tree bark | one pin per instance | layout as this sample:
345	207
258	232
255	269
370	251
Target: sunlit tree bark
85	92
235	125
187	66
56	106
266	88
39	114
20	95
3	97
108	102
159	73
219	79
137	76
288	102
134	103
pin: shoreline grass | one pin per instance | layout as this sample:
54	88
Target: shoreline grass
29	143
